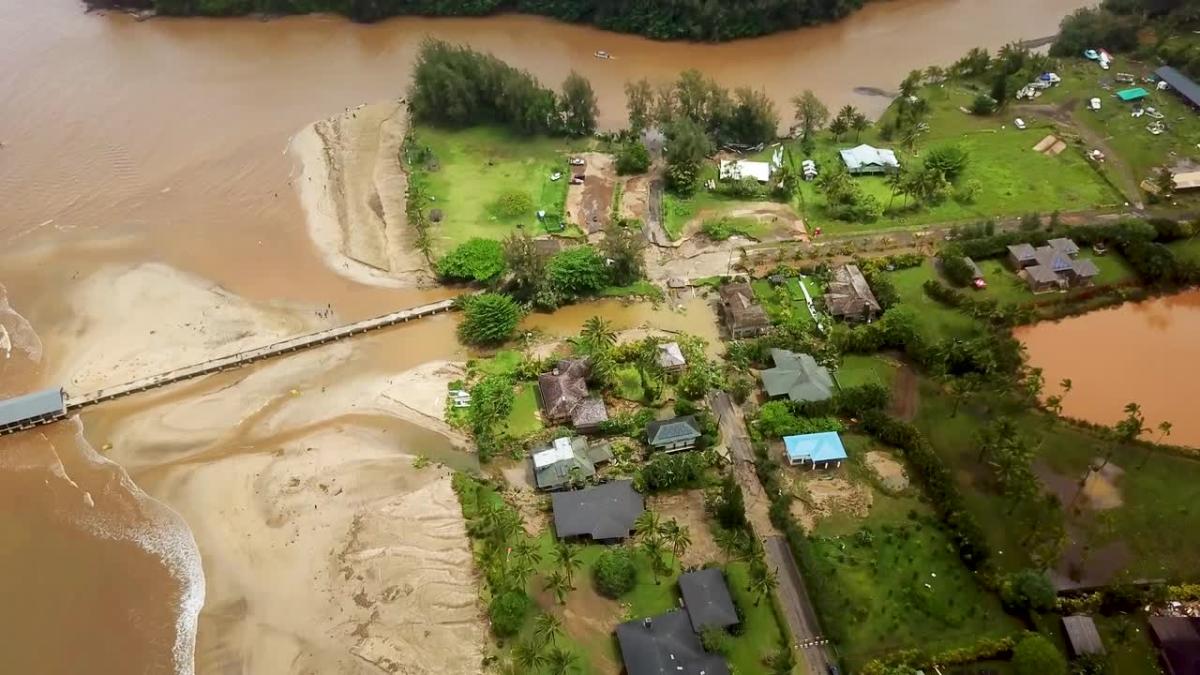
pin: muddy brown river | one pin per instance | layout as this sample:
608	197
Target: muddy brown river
149	200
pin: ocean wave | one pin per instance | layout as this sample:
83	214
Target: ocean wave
163	533
16	331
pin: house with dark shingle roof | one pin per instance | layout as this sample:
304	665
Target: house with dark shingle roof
666	645
605	513
566	460
673	435
797	376
1178	642
1053	266
707	600
563	394
849	296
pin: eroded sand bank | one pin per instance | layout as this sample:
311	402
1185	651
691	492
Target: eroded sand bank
353	188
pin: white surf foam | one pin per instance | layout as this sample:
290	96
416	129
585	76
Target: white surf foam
15	331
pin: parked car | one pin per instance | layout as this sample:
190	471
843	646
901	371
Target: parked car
1019	123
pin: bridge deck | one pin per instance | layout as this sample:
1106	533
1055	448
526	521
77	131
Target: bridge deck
232	361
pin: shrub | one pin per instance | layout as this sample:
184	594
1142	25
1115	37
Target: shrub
1035	655
776	419
507	611
1028	590
614	573
668	472
715	640
951	160
488	319
968	192
513	204
983	105
1094	26
577	272
957	270
683	178
633	158
720	229
480	260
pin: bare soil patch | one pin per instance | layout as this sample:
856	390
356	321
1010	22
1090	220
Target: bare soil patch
1099	490
824	496
688	509
589	205
890	471
635	198
588	618
779	221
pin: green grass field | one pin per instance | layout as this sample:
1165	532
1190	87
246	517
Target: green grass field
476	166
892	581
936	320
523	420
1014	179
787	301
858	370
1156	487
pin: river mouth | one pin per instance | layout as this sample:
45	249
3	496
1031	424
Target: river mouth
1144	353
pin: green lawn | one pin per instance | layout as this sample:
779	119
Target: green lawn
629	383
1014	179
638	289
858	370
787	301
476	166
936	320
893	581
503	362
523	420
1186	249
1156	488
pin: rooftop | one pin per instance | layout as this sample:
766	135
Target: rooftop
674	430
1022	252
29	406
706	597
866	155
1082	635
821	447
670	355
737	169
563	388
666	645
553	466
742	308
798	376
589	412
1180	83
849	294
1179	639
602	512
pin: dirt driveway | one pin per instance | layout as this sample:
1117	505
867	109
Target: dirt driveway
687	508
589	205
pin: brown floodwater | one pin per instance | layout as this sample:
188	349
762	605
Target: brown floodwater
1144	353
165	141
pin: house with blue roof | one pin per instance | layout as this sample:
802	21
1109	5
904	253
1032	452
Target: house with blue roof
822	451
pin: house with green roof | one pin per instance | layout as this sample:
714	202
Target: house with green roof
568	460
673	435
798	377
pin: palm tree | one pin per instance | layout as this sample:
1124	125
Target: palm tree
1164	430
677	537
653	549
566	556
727	540
546	629
562	662
896	179
839	126
1066	385
528	657
859	123
648	525
526	552
598	335
762	581
558	584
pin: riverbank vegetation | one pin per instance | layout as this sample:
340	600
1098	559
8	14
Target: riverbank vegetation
660	20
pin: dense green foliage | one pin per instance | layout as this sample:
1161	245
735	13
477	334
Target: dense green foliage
488	319
615	573
663	19
1035	655
776	419
670	472
507	612
1028	590
577	272
479	260
492	401
632	158
957	270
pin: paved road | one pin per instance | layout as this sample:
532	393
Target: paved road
792	593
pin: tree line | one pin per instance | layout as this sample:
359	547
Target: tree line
454	85
661	19
1116	24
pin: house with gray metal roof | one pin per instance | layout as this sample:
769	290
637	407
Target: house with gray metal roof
1182	84
666	645
568	460
605	513
1021	256
798	377
31	410
673	435
866	159
670	357
707	600
1082	636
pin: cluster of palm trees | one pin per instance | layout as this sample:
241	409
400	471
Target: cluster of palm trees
542	651
656	538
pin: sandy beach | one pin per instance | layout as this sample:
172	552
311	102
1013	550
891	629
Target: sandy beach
323	548
352	186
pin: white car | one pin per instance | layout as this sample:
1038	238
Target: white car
1019	123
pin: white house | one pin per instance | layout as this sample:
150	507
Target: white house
737	169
